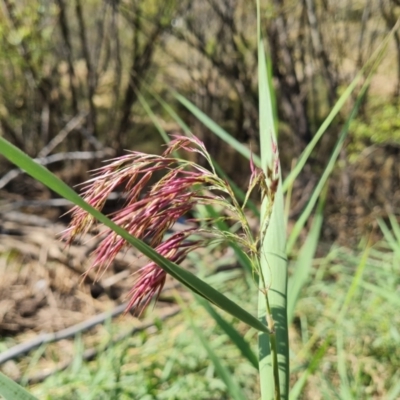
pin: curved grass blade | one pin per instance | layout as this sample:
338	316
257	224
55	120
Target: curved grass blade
328	170
389	296
233	388
304	261
43	175
232	333
395	227
372	63
217	130
313	364
152	116
10	390
322	129
169	110
345	387
392	241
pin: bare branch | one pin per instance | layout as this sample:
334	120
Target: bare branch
72	331
68	49
71	125
90	70
74	155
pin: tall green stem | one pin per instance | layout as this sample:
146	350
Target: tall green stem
274	346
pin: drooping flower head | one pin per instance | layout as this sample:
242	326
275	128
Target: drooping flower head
149	213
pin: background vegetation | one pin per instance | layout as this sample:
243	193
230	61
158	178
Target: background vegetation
75	80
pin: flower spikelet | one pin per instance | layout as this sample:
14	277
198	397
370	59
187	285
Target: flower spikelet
149	212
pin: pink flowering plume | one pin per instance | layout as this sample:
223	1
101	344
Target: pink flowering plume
149	213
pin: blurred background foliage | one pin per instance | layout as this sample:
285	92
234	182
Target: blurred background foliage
71	76
80	66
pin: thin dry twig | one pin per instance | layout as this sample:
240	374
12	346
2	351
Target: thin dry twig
74	123
91	353
73	155
43	338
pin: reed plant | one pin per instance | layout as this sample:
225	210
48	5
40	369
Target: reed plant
148	215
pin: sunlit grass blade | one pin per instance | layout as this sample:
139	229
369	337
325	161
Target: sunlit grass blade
395	227
317	358
345	389
153	117
327	172
78	361
391	297
312	366
390	238
10	390
394	392
232	333
274	105
303	266
233	388
43	175
170	110
32	363
273	348
217	130
310	147
355	283
371	64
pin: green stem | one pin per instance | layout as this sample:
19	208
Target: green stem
274	348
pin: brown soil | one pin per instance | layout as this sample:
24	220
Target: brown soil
42	286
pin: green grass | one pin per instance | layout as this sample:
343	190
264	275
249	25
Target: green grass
168	362
345	341
344	337
345	305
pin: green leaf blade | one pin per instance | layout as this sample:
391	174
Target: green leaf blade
217	130
273	349
10	390
43	175
232	333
